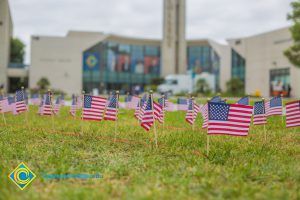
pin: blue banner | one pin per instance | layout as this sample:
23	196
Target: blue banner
91	61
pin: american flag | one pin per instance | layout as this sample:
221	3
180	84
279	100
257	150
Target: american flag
190	114
20	101
229	119
79	101
158	112
162	103
62	100
35	99
274	106
73	106
12	105
147	118
259	117
243	101
112	108
57	105
182	104
139	108
293	114
204	113
171	107
4	105
47	105
93	107
131	102
216	99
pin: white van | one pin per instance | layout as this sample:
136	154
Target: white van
175	84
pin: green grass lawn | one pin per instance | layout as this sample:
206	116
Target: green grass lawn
237	167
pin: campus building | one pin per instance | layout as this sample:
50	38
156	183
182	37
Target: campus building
6	30
95	60
259	61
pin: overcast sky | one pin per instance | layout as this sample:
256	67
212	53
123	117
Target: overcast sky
215	19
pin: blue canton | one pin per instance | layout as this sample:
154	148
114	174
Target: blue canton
20	95
276	101
47	100
87	101
218	111
149	104
182	101
244	101
113	101
259	108
217	99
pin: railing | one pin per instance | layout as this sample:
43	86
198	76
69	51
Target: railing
17	66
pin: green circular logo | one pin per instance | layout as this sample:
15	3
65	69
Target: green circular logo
91	61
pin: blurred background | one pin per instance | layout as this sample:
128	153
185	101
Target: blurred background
233	47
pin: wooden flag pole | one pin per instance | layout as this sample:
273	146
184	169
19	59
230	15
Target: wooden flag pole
26	114
82	106
3	116
163	114
207	136
193	126
152	107
265	132
116	122
52	111
282	117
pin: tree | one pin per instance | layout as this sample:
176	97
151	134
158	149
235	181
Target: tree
293	53
43	83
235	87
17	51
202	87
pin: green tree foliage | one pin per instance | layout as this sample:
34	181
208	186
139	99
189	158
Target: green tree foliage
17	51
293	53
235	87
43	83
202	87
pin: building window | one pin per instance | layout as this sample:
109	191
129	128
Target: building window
238	66
280	82
204	59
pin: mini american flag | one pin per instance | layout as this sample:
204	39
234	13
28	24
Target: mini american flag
62	100
158	112
274	106
162	103
20	102
229	119
171	107
73	106
93	107
243	101
112	108
147	114
259	117
4	105
47	105
293	114
35	100
12	105
182	104
79	101
190	114
57	105
139	109
204	113
132	102
216	99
